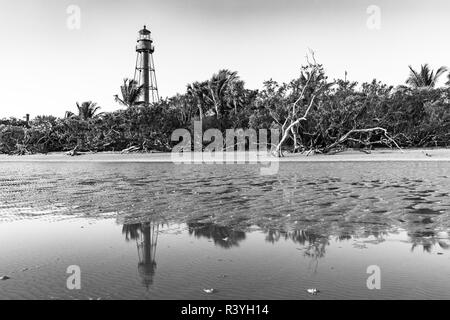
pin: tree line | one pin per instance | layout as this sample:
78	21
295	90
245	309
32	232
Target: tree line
311	112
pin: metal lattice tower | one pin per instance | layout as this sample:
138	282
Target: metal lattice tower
144	73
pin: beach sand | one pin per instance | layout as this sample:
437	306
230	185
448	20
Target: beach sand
350	155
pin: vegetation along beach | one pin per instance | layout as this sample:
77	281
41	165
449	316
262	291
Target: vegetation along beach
340	114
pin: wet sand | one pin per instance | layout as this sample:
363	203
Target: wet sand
183	262
151	229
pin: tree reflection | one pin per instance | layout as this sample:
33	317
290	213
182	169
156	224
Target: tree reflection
313	236
428	240
313	243
222	236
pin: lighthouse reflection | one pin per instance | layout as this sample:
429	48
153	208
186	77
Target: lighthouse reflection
146	236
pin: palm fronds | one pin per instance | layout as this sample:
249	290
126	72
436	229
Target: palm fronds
87	110
131	92
426	77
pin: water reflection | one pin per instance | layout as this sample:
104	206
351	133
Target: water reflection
310	243
429	240
222	236
314	244
146	236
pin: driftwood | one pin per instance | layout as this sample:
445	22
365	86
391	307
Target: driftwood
20	150
286	131
292	119
130	149
338	145
73	152
347	137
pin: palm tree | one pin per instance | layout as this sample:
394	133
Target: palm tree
184	106
131	92
86	110
69	114
219	87
216	95
425	78
197	91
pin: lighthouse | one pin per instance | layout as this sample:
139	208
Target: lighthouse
144	73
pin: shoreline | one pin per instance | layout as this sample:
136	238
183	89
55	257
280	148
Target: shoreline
429	154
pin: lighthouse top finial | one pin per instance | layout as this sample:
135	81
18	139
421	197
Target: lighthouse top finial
144	31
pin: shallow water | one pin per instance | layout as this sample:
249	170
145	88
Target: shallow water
160	230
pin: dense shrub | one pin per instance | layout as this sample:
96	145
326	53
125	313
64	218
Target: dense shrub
414	117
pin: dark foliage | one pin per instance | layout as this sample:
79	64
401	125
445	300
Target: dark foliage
416	116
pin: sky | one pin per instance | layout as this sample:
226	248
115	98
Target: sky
50	59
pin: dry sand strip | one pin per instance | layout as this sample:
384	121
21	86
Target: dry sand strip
376	155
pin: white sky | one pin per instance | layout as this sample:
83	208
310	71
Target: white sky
45	67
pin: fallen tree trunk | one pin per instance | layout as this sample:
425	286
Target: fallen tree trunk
347	137
21	150
131	149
